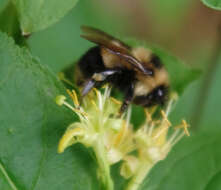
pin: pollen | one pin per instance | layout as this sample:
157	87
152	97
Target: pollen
74	98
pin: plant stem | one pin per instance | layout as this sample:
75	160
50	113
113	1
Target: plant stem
103	166
138	178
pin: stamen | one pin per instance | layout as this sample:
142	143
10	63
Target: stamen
77	111
152	110
148	116
100	102
60	100
106	93
115	101
165	119
164	128
69	106
128	116
106	86
73	97
172	138
76	102
121	134
184	126
150	130
178	138
169	107
173	98
94	104
62	77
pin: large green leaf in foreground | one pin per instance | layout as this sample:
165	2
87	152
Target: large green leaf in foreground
194	165
31	125
35	15
214	4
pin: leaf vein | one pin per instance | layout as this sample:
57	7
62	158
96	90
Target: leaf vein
9	180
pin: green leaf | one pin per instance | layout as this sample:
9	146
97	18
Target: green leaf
3	4
38	15
31	125
214	4
210	117
194	164
180	75
62	42
9	23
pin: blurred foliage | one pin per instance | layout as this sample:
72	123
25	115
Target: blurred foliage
211	115
214	4
32	124
168	12
3	4
37	15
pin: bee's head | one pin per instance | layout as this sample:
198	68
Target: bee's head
158	96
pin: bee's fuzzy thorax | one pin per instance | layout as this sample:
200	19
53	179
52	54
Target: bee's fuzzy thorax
142	54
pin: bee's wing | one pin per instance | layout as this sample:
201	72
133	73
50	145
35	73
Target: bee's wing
114	46
101	38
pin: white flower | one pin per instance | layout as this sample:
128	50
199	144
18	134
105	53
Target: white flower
113	139
152	144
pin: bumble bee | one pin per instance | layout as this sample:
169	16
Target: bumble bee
137	72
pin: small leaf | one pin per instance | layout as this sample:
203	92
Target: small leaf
194	164
31	126
38	15
214	4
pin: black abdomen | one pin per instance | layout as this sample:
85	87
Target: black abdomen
91	62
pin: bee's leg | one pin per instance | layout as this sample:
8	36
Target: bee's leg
128	98
103	75
96	79
88	86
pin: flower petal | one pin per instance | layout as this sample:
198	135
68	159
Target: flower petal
68	138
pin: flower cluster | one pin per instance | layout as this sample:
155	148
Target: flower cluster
113	139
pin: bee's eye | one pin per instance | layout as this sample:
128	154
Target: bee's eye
158	95
160	92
